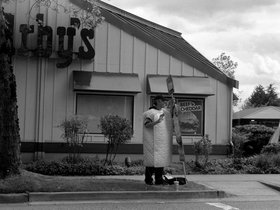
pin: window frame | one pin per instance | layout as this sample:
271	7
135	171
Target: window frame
105	94
182	97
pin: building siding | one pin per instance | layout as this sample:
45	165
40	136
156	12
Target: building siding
46	96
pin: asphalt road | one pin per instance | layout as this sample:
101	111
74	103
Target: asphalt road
214	204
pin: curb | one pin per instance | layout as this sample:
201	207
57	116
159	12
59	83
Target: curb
108	195
14	198
271	185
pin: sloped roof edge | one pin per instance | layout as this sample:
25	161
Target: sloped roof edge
165	39
139	19
248	113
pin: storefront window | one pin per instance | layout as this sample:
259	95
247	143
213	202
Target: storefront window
94	106
191	115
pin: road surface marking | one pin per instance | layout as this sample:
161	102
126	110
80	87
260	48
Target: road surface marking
223	206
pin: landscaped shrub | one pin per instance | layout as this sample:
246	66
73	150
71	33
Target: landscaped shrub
63	168
117	130
271	148
238	140
74	132
276	160
263	162
203	147
258	164
82	168
258	137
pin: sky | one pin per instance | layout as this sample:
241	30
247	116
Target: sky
246	30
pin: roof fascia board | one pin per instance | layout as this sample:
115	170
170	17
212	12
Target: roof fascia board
139	19
83	4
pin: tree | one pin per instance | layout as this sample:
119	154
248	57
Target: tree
227	66
262	97
272	96
9	124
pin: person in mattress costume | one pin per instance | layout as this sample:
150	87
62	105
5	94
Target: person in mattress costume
157	140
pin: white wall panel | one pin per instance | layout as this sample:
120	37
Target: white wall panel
114	36
60	99
49	100
151	60
198	73
175	67
140	100
101	47
211	113
223	114
31	98
126	54
163	63
187	70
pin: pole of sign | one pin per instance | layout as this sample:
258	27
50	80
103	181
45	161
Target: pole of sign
176	125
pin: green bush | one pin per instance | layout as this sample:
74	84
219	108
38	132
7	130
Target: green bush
238	140
276	160
257	137
117	130
258	164
263	163
82	168
271	148
63	168
202	148
74	132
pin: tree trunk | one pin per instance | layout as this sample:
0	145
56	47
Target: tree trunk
9	125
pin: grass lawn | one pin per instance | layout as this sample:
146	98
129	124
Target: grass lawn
32	182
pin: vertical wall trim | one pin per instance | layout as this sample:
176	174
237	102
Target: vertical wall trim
39	107
133	54
230	113
107	48
120	51
53	80
157	61
25	97
182	67
52	114
217	110
94	47
44	75
67	91
145	73
37	100
169	65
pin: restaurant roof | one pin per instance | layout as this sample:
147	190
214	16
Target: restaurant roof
163	38
266	112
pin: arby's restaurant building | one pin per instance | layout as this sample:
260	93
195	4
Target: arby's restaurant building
117	68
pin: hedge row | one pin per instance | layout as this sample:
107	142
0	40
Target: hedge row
259	164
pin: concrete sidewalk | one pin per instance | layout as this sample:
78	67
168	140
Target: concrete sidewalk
221	186
247	186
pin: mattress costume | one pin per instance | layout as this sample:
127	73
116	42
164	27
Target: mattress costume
157	140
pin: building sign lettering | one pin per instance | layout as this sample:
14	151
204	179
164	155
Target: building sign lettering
45	41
